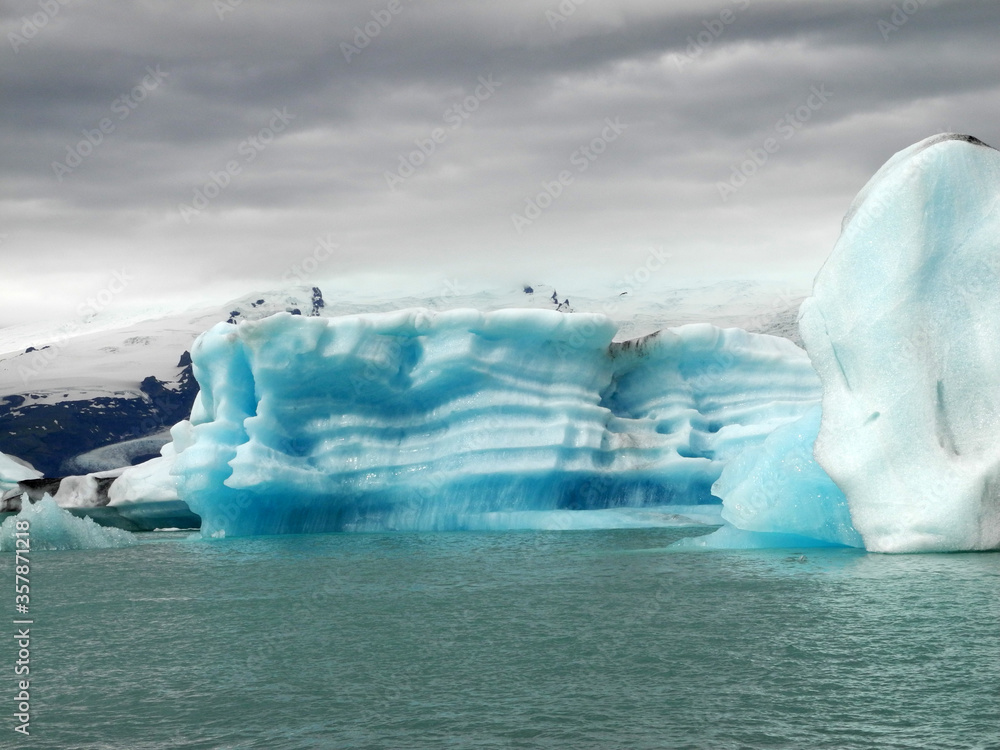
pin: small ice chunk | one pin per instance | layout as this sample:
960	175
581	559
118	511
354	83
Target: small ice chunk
53	528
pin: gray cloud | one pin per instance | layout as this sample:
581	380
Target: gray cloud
695	92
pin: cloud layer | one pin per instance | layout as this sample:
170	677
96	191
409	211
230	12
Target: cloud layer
210	147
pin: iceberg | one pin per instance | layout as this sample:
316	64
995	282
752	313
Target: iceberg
462	419
81	492
53	528
903	328
14	470
144	497
152	480
777	495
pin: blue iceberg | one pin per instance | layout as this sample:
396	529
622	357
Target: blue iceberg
777	495
462	419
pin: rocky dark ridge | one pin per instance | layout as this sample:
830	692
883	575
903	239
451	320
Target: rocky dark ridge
49	435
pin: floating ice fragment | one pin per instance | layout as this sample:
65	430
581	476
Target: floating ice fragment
53	528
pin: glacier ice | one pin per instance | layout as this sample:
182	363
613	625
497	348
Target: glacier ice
144	497
776	495
14	470
422	420
79	492
53	528
152	481
903	327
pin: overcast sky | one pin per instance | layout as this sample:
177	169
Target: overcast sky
215	148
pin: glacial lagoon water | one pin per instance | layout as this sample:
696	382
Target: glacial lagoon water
572	639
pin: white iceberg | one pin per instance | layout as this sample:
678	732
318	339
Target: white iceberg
152	481
903	328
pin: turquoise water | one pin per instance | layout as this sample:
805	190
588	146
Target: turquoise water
576	639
